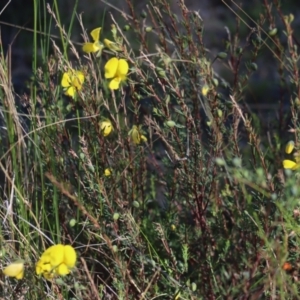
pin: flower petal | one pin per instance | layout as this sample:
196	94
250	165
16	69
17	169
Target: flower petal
66	81
62	270
289	147
70	91
143	138
96	34
114	83
111	68
122	68
69	256
56	254
89	48
289	164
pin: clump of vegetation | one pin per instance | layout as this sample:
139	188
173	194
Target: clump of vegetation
136	174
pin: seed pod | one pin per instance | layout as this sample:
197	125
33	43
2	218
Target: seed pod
273	32
136	204
215	82
253	66
170	123
116	216
222	55
220	113
143	14
72	222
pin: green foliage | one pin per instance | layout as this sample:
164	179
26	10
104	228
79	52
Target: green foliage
171	184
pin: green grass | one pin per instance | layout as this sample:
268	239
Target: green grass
202	210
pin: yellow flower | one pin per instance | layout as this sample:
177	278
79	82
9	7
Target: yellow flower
107	172
136	135
95	47
106	127
289	164
15	269
116	69
72	82
56	260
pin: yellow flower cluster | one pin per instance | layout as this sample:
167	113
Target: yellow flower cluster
57	260
97	46
115	69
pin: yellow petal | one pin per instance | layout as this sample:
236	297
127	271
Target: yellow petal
92	47
112	45
70	256
89	48
71	91
289	164
15	269
114	83
96	34
20	275
143	138
66	81
62	270
289	147
56	254
122	68
111	68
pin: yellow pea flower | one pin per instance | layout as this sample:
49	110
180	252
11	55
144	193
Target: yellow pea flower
96	46
106	127
289	164
56	260
72	82
116	70
107	172
136	135
15	269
